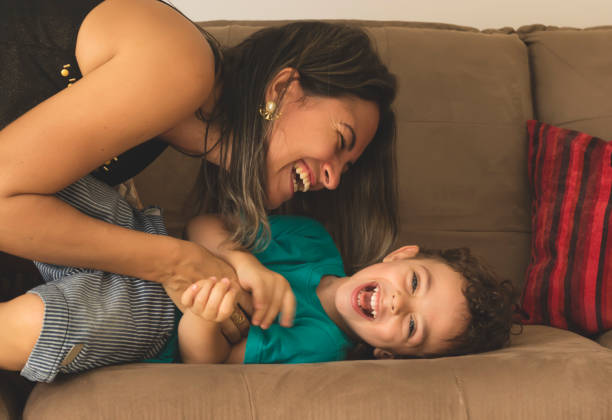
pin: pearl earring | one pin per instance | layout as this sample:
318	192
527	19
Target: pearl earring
268	112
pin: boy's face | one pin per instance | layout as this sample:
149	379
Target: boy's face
404	306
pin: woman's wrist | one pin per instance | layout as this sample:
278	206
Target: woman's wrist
166	257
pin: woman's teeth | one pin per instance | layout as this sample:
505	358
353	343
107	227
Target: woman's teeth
301	180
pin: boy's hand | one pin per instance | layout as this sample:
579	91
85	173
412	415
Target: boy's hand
211	299
271	293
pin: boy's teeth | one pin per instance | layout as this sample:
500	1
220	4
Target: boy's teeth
373	300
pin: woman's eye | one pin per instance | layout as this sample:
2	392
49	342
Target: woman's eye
415	282
346	167
411	327
342	141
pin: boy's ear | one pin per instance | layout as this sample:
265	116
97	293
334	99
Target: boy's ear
383	354
408	251
281	82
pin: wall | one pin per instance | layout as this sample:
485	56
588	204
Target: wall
481	14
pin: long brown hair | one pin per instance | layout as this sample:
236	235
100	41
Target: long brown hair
332	60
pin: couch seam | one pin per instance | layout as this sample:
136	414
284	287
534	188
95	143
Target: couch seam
600	117
249	394
462	401
560	58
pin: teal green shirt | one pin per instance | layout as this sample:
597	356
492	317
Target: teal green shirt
303	252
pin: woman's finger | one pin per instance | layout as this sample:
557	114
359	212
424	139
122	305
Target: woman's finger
245	301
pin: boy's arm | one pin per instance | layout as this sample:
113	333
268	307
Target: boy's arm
201	341
207	304
271	291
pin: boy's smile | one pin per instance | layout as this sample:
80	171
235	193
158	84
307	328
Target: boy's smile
402	306
365	300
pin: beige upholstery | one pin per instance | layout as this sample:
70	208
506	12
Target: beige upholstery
464	98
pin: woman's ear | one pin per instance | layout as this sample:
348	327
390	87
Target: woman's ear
408	251
280	84
383	354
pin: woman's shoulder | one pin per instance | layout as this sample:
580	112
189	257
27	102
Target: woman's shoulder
143	28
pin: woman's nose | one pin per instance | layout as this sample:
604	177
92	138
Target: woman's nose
330	176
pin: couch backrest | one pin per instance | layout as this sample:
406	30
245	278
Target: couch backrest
464	97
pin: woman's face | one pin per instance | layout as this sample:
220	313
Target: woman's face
314	141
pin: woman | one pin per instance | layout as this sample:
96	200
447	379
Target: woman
102	87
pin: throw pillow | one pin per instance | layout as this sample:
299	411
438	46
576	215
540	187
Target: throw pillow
569	278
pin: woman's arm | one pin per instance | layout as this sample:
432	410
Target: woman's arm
152	70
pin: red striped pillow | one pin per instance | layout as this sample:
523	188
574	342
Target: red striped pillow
569	278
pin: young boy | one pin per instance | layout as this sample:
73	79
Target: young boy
408	305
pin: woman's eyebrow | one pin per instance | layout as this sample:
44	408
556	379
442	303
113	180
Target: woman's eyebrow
353	139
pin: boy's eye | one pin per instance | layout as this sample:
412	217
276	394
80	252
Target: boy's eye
411	327
415	282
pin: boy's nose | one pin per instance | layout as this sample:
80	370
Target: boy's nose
399	302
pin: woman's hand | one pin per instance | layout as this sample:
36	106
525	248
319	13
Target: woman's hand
271	291
191	264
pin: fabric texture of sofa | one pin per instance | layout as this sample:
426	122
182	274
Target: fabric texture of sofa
464	98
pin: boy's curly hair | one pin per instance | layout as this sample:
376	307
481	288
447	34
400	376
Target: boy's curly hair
491	304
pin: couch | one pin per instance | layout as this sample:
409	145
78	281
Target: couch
464	98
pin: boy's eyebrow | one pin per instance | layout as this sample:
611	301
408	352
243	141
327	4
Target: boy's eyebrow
353	136
428	288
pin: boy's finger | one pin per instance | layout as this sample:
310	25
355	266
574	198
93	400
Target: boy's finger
201	297
188	295
214	299
261	303
288	308
273	309
227	305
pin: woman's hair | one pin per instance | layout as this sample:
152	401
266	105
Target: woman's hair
331	60
491	304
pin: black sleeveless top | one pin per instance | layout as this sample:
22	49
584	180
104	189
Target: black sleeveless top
37	60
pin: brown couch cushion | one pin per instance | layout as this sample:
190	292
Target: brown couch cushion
571	77
548	373
464	99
